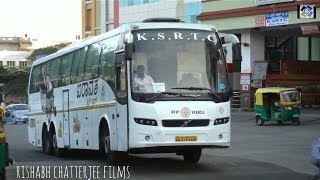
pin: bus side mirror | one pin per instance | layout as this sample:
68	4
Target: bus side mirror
128	51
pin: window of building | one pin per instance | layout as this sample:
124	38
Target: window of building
11	63
191	11
308	48
23	63
123	3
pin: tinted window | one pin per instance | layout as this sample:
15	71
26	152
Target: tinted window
77	65
108	60
92	62
54	72
65	69
35	78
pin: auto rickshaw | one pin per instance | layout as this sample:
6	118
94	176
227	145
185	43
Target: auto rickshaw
4	154
277	104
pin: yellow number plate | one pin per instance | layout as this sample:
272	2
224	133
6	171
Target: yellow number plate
186	138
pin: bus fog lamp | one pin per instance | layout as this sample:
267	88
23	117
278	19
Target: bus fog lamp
220	136
147	138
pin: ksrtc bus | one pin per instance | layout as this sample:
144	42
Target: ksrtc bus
156	86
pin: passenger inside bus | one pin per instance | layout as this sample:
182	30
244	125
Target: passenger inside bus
141	81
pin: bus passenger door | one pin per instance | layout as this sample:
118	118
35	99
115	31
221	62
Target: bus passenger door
122	101
65	109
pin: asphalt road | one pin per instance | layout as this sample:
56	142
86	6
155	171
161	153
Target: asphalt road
257	152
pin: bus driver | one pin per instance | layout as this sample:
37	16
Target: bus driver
141	81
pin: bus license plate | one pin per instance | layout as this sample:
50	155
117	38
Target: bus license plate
186	138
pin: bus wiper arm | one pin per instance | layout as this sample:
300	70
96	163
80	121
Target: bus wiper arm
164	93
192	88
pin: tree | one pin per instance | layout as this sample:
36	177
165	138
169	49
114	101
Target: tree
47	50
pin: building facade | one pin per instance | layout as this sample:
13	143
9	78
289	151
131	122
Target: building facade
15	43
280	43
99	16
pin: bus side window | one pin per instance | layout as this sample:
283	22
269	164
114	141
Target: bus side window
92	62
78	63
107	64
65	69
74	67
35	78
54	71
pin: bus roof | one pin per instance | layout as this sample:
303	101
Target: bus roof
123	28
274	90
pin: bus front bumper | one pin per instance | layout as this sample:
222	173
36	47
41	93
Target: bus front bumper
202	137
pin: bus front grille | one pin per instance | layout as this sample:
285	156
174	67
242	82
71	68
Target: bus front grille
185	122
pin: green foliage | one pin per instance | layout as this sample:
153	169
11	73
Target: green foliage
47	50
16	81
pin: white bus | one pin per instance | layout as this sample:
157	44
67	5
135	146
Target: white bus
159	86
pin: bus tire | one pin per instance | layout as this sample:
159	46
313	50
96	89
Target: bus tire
112	156
47	142
192	157
59	152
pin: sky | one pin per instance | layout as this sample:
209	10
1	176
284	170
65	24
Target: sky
44	20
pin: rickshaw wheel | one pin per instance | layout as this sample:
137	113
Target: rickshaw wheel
297	122
3	174
259	120
280	122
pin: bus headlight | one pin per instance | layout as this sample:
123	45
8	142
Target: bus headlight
221	121
149	122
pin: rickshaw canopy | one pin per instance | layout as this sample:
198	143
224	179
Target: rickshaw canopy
260	91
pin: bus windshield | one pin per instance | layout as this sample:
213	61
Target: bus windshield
178	63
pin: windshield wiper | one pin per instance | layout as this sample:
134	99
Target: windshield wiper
163	93
212	94
192	88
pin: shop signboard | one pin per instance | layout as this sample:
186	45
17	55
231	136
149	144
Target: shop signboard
277	19
310	29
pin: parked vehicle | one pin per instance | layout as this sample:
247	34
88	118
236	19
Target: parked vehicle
16	113
277	104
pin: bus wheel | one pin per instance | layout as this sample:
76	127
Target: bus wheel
111	155
192	156
259	121
59	152
280	122
46	142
